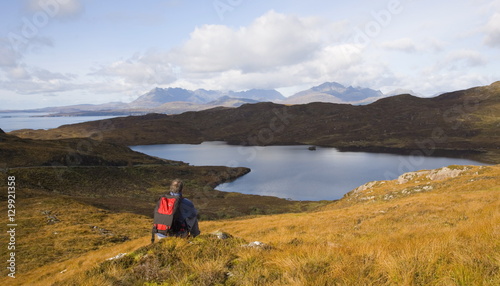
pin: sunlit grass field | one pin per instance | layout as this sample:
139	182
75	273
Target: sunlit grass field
434	228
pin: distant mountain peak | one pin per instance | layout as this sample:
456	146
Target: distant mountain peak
336	93
328	86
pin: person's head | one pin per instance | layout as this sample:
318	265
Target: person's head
176	186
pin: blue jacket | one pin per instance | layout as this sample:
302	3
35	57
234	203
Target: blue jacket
189	215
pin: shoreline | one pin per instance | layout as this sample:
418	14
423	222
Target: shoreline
481	156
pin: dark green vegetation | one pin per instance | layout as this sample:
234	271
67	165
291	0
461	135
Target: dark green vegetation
64	212
134	189
17	152
113	177
461	123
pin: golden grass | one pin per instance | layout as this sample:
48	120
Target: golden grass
424	249
53	230
448	236
59	271
444	235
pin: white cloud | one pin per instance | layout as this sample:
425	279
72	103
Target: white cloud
492	30
456	61
48	76
8	56
402	44
275	51
437	83
415	45
18	76
36	86
57	9
344	63
436	45
151	68
464	59
17	73
26	80
271	41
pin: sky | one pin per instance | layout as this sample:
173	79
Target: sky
64	52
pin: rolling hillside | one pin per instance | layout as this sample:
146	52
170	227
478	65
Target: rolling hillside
115	178
70	193
83	198
17	152
460	123
433	227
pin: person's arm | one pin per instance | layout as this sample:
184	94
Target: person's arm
190	215
194	230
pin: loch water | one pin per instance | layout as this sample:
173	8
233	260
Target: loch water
295	172
292	172
10	121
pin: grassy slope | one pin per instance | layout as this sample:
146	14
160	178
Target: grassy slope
114	177
55	227
71	200
435	228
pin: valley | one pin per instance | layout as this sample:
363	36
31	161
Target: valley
463	123
83	197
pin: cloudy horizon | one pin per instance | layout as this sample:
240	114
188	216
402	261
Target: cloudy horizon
63	52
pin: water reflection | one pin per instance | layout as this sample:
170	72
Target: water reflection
294	171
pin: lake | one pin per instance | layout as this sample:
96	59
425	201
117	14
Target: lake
10	121
294	172
283	171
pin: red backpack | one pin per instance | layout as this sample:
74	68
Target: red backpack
165	215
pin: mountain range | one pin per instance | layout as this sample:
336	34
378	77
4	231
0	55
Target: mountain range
326	92
174	100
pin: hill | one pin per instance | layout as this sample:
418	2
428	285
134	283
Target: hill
116	178
460	123
228	101
18	152
70	193
73	196
433	227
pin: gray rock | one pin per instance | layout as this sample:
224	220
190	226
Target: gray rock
221	235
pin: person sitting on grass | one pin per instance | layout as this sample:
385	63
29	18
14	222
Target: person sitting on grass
185	218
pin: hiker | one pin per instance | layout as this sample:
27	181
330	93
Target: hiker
175	215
